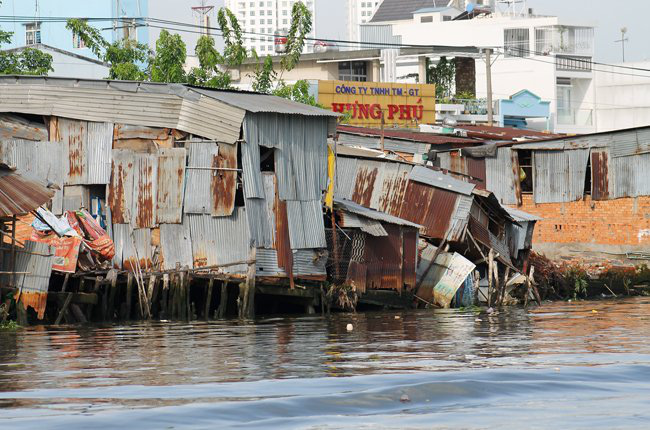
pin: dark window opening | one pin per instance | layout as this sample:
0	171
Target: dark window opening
494	228
588	177
526	171
353	71
426	19
239	190
267	159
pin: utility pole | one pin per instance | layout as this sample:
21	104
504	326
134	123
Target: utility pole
203	13
488	74
623	40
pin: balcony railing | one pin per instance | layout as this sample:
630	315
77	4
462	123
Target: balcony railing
573	64
577	41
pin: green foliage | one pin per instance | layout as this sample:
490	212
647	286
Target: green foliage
234	51
208	73
301	24
90	36
124	57
443	75
9	325
343	296
264	75
465	95
298	92
167	64
576	279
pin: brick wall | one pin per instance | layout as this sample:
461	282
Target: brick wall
586	226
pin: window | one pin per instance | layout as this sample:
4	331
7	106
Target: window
252	22
516	42
261	13
284	21
565	113
262	21
446	18
526	170
32	33
353	71
426	19
284	12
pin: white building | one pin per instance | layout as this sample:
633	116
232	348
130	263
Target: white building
261	19
68	64
359	12
547	55
622	95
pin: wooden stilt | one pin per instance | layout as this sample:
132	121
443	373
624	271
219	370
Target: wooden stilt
223	301
208	300
150	288
490	275
78	314
164	311
64	308
111	296
129	295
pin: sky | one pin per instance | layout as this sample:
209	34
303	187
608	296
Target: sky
608	16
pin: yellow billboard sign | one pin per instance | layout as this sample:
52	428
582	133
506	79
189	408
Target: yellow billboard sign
404	105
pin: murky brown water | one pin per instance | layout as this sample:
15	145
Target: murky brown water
559	365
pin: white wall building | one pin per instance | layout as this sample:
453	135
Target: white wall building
622	96
359	12
546	55
264	18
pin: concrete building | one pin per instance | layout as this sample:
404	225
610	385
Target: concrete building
547	55
622	96
261	19
41	30
359	12
70	64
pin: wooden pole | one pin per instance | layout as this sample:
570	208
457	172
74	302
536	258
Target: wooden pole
490	275
129	295
64	308
208	300
223	301
488	75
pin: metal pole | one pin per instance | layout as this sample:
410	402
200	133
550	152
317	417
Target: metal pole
488	73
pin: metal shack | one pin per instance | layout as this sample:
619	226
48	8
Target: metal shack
182	177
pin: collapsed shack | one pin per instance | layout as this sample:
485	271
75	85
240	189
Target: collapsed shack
462	227
209	196
26	266
374	254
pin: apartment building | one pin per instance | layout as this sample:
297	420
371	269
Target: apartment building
359	12
261	19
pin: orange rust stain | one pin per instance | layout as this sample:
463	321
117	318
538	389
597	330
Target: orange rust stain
37	301
224	182
364	186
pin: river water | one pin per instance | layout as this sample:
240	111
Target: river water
569	365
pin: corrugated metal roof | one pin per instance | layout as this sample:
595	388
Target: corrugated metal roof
373	214
519	215
258	103
134	103
171	185
176	245
306	226
407	136
374	142
440	180
430	207
20	195
370	226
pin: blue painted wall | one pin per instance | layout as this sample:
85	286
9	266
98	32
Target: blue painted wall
55	34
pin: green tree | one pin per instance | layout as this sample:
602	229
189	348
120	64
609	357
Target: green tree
298	92
209	73
167	64
29	61
443	75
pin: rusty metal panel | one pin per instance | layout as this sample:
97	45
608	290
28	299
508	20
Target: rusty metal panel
145	180
224	182
171	185
409	254
345	177
197	199
270	191
282	240
439	180
20	195
599	174
220	240
356	276
306	226
98	153
365	212
384	260
364	185
476	169
176	245
17	127
500	177
308	263
132	247
36	259
120	188
125	131
390	194
430	207
479	232
74	135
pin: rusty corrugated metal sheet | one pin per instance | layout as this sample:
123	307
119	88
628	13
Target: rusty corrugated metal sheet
559	175
365	182
171	185
393	187
224	183
270	191
120	188
356	276
282	240
599	175
176	245
132	247
459	218
74	134
16	127
20	195
409	255
125	131
430	207
145	172
476	169
479	232
36	260
384	261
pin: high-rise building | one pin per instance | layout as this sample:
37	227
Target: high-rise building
260	19
359	12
